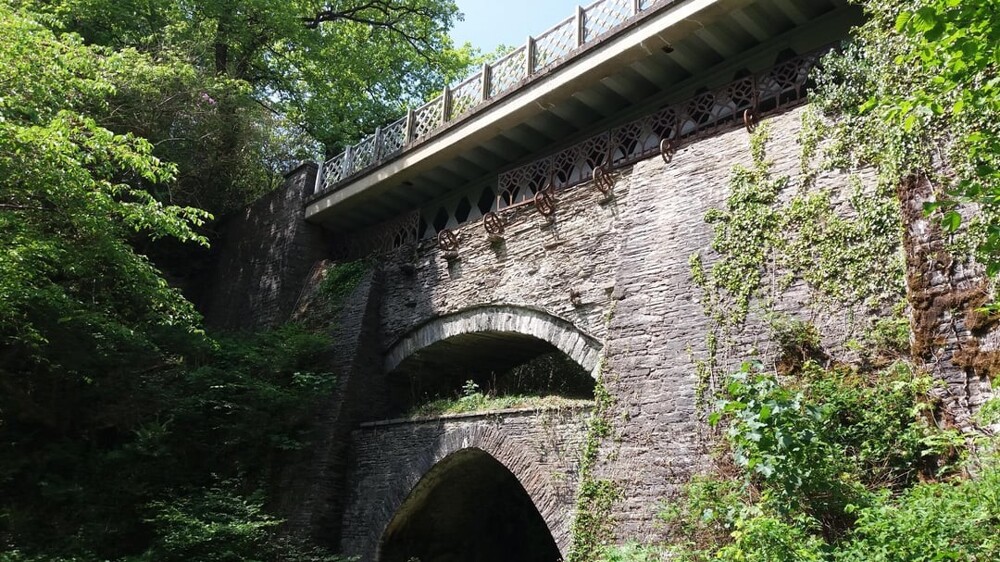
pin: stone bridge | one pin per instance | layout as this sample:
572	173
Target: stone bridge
556	215
456	478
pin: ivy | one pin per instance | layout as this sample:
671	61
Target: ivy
847	253
595	497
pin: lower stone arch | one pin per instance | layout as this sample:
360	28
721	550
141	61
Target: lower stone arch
550	494
468	507
562	334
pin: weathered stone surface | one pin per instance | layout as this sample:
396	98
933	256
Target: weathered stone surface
580	347
264	255
609	283
541	448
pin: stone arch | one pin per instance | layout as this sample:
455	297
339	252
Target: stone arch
551	494
469	506
580	346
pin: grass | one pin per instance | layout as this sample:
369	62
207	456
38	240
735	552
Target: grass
478	402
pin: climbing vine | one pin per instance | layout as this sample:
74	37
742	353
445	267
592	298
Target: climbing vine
766	237
595	496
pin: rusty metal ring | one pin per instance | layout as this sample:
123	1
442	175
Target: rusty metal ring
603	180
667	150
545	202
750	120
493	223
447	240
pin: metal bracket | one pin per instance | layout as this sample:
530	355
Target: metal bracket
604	180
493	225
447	240
545	202
667	150
750	120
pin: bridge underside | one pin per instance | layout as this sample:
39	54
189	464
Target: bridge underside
469	508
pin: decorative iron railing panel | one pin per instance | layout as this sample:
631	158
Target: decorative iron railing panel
705	114
508	71
379	239
547	49
427	118
393	138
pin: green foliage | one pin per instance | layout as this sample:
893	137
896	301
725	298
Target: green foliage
71	197
935	521
759	236
174	457
592	530
836	464
920	83
766	538
631	552
214	524
341	279
236	92
478	402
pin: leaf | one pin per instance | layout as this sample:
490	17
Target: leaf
951	221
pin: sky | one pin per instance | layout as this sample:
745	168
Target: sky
489	23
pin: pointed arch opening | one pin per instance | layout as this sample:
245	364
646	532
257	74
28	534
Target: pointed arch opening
468	508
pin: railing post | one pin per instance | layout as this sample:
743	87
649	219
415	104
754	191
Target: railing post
487	72
636	6
408	130
581	26
319	176
446	105
348	161
529	51
378	146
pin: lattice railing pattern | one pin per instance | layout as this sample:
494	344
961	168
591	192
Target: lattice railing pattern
604	15
427	118
466	95
334	171
393	138
556	43
379	239
508	71
547	49
364	154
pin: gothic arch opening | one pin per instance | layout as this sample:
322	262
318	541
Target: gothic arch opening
468	508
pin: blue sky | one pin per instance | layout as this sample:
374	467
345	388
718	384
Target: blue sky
489	23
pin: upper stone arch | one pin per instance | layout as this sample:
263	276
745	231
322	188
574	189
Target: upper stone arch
580	346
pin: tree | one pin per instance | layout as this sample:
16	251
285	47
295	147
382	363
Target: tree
237	91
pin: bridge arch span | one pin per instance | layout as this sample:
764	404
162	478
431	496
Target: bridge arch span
515	321
442	451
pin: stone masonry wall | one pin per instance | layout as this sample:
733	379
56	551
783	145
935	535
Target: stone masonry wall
541	449
564	267
617	271
264	256
659	326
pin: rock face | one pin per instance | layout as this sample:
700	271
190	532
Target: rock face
606	280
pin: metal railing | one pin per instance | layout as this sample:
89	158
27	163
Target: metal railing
586	26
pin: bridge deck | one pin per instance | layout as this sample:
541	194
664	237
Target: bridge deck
629	64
